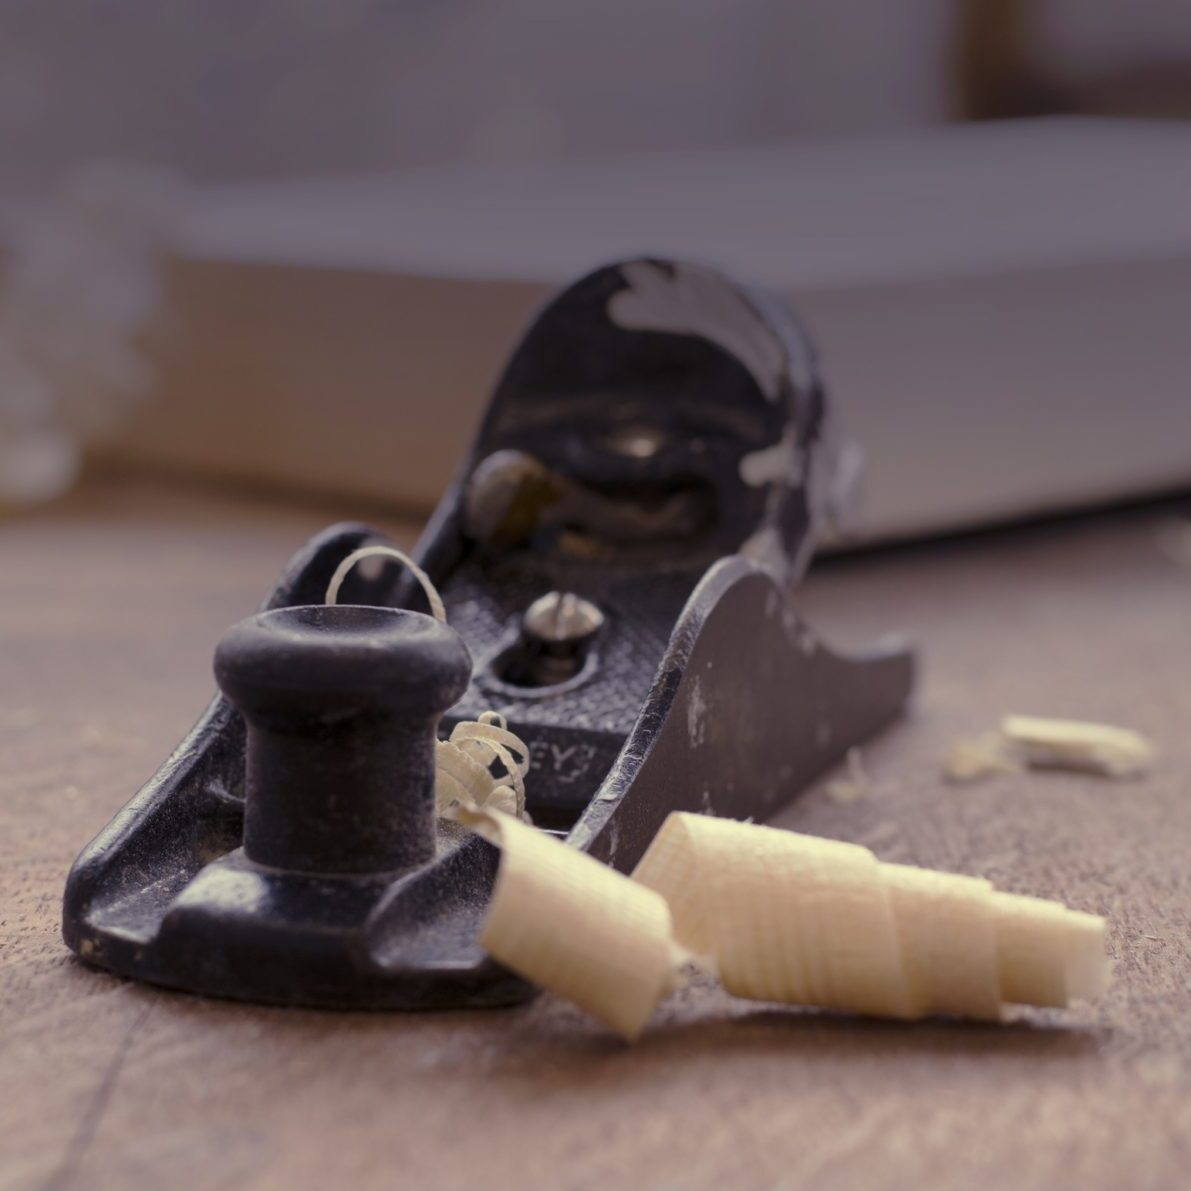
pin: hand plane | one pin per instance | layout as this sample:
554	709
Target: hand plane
616	560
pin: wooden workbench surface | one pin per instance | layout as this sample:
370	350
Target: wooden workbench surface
110	605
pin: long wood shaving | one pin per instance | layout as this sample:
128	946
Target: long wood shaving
779	917
1041	743
1070	744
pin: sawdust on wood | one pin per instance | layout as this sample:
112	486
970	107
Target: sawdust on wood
856	783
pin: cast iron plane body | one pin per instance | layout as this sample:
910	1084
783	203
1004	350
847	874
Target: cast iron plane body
616	560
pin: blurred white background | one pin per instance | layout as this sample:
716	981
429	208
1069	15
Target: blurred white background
277	91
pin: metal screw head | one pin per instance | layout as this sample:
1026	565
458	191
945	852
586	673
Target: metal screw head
562	617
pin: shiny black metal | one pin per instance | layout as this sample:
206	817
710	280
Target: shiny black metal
659	445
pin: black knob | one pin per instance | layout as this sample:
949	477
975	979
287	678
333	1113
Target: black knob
342	705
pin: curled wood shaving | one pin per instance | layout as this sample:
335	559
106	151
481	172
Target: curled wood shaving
576	927
1069	744
464	762
1050	744
779	917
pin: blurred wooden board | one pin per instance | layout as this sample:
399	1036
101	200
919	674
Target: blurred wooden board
110	605
1008	300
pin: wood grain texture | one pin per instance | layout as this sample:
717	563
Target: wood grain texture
111	605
